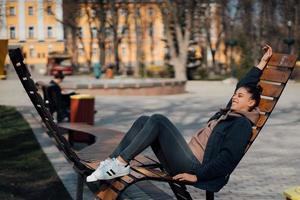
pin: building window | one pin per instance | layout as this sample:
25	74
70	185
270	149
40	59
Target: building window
31	52
50	48
30	10
94	32
150	11
108	32
79	32
12	32
30	32
123	11
12	11
123	30
151	29
123	51
93	12
81	51
49	32
94	52
49	10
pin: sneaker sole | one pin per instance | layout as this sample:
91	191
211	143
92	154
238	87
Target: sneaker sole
115	176
91	179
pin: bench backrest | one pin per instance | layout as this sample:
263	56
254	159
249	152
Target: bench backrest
273	81
24	75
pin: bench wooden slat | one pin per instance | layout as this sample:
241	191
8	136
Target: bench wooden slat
283	60
160	173
266	105
275	74
136	163
107	194
127	179
261	121
118	185
145	160
136	175
254	134
154	159
271	90
93	164
145	171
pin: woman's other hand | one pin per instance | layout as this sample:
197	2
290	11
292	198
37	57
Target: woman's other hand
186	177
266	57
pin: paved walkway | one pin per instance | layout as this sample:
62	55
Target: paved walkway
269	167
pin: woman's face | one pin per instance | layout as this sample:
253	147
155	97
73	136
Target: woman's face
241	100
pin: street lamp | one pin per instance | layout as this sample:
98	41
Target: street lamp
289	41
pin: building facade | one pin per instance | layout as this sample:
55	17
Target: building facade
138	28
33	25
42	26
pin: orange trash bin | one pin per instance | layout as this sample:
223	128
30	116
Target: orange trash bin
82	110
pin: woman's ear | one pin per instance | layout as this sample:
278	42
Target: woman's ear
251	103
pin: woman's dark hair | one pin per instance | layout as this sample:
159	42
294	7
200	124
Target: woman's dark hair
255	91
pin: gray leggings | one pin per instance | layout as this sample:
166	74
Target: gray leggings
165	140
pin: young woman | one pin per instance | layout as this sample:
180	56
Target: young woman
210	156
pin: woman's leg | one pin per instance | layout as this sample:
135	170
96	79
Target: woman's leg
167	143
130	135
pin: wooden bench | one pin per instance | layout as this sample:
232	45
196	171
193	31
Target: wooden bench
273	81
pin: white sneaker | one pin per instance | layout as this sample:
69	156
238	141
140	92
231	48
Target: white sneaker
92	177
110	170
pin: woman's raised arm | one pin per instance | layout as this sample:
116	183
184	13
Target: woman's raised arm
266	57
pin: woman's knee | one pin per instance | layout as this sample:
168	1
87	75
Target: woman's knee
142	120
158	117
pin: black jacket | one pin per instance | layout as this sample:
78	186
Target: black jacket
226	145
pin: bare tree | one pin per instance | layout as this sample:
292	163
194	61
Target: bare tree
138	39
177	19
91	21
214	28
71	16
101	14
119	30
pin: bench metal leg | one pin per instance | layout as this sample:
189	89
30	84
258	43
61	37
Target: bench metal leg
79	192
210	195
180	191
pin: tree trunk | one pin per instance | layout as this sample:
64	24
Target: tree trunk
74	50
180	68
90	22
116	51
116	40
138	41
101	35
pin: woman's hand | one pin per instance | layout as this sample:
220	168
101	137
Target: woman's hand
266	57
268	53
186	177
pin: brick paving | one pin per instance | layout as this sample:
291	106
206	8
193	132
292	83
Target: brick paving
270	166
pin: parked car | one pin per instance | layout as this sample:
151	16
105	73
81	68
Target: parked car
59	62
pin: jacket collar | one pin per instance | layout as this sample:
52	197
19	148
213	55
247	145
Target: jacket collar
253	115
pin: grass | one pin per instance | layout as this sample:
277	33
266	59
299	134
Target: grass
25	172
